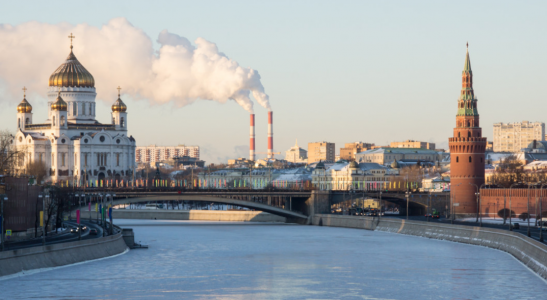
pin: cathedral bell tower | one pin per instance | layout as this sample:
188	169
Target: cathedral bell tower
466	150
119	114
59	113
24	112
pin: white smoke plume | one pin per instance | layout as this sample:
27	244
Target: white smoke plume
120	54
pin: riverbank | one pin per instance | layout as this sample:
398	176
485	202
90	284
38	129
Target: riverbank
56	255
530	252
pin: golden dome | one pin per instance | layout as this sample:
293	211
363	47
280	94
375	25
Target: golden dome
71	74
24	106
119	106
60	104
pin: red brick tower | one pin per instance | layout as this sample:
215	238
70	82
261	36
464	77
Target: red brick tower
466	149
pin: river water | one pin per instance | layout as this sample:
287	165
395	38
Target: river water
212	260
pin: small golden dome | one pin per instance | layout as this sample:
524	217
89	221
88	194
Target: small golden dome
24	107
60	104
71	74
119	106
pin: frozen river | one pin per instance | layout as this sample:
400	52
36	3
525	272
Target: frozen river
204	260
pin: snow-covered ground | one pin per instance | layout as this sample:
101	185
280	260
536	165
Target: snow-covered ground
210	260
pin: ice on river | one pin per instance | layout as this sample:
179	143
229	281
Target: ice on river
210	260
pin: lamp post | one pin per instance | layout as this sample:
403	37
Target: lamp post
528	209
510	211
428	206
44	219
78	219
407	195
380	211
477	194
540	215
3	198
452	209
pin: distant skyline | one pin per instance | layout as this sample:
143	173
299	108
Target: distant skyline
339	72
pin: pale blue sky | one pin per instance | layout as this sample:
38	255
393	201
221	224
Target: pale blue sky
339	71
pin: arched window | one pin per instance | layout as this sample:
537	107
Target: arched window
62	121
470	159
113	121
83	108
469	134
74	108
53	120
18	122
459	134
457	159
27	121
121	122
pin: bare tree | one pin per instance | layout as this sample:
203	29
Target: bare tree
37	169
9	155
509	171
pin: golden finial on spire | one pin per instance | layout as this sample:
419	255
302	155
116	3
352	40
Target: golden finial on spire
71	37
119	89
467	45
24	92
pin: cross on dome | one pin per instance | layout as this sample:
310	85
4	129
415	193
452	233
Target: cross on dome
119	89
71	36
24	92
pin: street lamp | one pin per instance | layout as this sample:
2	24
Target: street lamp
540	215
407	195
510	211
428	206
80	216
528	209
44	200
3	198
477	194
452	207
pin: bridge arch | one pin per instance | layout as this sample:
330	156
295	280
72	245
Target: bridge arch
209	199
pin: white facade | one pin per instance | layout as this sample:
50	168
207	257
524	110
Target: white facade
71	142
296	154
152	154
513	137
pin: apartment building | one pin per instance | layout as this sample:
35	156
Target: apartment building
512	137
413	144
323	151
152	153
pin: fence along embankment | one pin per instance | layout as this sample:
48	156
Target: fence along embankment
530	252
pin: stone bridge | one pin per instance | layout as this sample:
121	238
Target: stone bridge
296	206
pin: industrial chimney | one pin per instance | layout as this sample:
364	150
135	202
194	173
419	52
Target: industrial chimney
270	134
252	140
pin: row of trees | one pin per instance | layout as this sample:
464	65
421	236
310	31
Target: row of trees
511	170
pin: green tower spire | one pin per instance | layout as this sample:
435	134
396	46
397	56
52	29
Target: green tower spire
467	66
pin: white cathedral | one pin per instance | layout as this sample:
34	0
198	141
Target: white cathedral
71	143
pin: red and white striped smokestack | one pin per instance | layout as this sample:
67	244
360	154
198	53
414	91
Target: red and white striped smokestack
270	134
252	140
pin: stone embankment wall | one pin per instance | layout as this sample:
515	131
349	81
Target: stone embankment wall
530	252
56	255
202	215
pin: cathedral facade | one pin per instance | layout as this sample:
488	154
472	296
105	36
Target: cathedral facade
71	143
